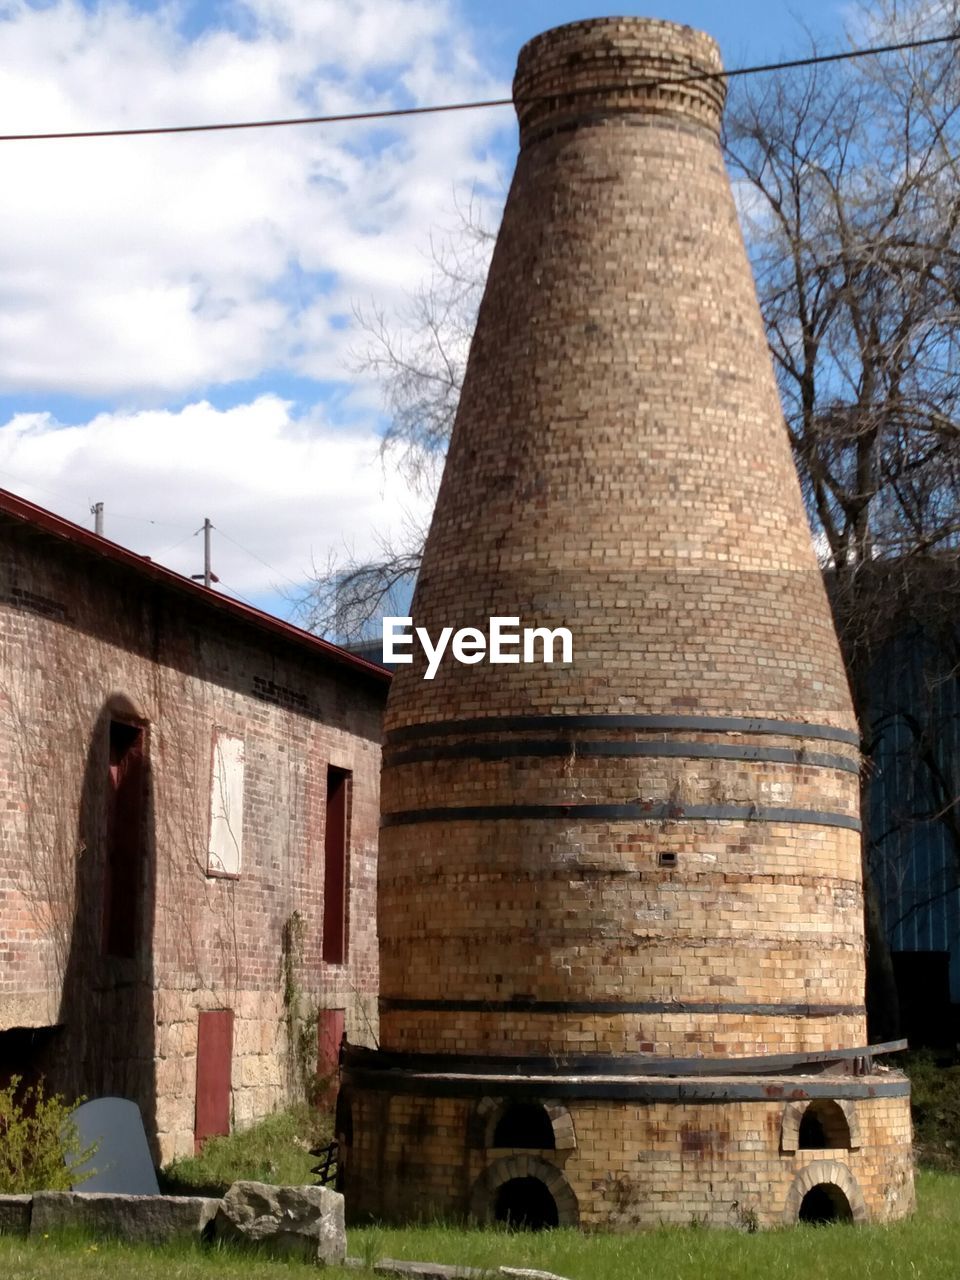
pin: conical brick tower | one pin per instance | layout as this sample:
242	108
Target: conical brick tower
620	902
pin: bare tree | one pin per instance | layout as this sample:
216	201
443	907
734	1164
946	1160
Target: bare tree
848	177
345	599
851	206
418	357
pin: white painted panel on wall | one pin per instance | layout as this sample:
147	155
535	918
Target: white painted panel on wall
226	807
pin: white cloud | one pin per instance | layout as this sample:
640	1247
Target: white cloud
284	488
385	33
156	266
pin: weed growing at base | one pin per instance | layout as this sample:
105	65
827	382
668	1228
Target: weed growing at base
276	1151
40	1148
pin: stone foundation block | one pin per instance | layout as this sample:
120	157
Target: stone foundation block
427	1270
288	1220
151	1219
445	1271
15	1215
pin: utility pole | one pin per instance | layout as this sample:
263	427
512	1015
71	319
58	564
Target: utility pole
97	513
208	575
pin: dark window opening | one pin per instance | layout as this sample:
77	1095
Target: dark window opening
927	1015
525	1204
343	1137
123	871
343	1120
24	1052
666	859
336	876
824	1125
525	1124
214	1066
825	1203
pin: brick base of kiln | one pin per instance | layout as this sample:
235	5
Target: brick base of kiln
613	1148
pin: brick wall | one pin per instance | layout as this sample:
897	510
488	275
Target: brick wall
82	642
651	849
624	1164
619	467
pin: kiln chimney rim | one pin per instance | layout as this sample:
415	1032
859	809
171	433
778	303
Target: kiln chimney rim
595	69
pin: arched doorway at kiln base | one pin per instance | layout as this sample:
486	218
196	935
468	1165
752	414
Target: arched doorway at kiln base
824	1191
524	1192
525	1204
823	1204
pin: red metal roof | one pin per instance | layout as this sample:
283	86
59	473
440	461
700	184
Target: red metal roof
45	521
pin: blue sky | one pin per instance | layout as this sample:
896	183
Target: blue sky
178	334
744	29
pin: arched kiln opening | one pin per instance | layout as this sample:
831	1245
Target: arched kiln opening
823	1126
524	1191
525	1204
825	1203
525	1125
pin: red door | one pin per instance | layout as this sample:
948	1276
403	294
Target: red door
214	1060
330	1026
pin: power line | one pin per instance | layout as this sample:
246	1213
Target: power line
53	493
173	545
160	524
254	556
114	515
235	592
816	59
393	113
350	117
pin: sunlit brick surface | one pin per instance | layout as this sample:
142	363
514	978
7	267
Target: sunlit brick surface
719	1164
654	848
85	643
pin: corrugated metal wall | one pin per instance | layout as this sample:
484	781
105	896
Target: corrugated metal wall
915	719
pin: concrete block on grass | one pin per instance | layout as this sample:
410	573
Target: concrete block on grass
15	1215
151	1219
305	1221
403	1270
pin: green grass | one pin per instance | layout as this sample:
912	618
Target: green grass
70	1257
276	1150
925	1247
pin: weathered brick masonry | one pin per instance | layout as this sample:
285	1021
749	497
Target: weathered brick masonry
620	899
95	645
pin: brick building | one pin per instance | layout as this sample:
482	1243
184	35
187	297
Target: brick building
188	836
643	999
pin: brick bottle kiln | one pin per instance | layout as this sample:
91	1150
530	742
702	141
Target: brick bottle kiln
620	901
